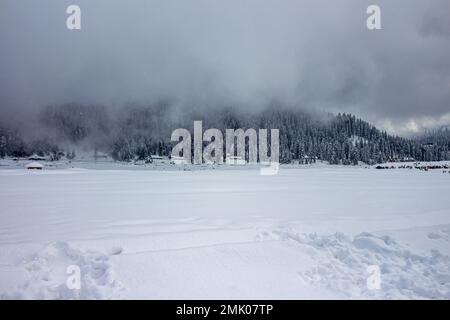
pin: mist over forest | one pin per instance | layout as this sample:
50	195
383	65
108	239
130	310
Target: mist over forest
136	132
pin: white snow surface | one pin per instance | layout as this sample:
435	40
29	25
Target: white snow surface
306	233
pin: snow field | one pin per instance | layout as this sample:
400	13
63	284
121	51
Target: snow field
305	233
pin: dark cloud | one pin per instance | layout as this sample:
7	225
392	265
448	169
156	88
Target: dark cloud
436	23
306	53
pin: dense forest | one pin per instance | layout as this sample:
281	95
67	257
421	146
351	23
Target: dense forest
136	132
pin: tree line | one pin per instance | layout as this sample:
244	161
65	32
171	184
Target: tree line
136	132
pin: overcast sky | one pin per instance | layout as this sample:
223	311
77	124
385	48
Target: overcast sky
304	53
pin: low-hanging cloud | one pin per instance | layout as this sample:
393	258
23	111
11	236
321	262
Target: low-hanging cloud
303	53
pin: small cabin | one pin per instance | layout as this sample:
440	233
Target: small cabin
35	157
234	160
178	160
34	166
100	155
157	159
307	159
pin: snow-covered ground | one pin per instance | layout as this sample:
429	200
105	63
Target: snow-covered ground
309	232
